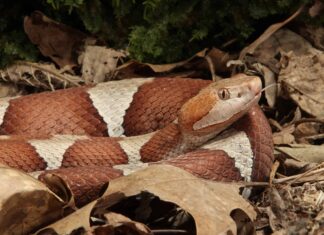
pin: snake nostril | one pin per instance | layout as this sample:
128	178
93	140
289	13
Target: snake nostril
239	95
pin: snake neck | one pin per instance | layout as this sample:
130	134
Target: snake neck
170	142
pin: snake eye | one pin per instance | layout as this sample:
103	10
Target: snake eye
223	94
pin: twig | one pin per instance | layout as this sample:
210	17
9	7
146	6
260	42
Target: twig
294	178
50	71
274	169
309	120
169	231
211	68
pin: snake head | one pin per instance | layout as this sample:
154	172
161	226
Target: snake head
219	104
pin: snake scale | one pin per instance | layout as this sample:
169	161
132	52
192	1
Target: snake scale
213	130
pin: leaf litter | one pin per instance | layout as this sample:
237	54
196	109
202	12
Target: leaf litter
138	204
199	206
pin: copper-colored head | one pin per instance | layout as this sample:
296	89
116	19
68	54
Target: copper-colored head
220	104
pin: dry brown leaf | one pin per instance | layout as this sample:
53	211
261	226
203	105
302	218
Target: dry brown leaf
77	221
313	34
291	204
274	222
297	116
303	81
38	75
309	130
26	204
269	31
132	68
308	126
199	61
99	63
293	165
84	184
275	124
277	205
55	40
218	60
283	40
209	203
211	206
304	152
285	136
9	89
270	80
59	187
316	9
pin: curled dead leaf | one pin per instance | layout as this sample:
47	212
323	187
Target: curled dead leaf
282	41
210	206
99	63
313	34
8	89
303	81
285	136
270	81
25	203
79	184
38	75
216	208
213	60
316	9
55	40
304	152
309	130
77	221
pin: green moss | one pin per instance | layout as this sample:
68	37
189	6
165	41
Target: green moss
155	31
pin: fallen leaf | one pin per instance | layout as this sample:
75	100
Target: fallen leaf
217	208
77	221
303	81
283	205
210	206
304	152
99	63
285	136
278	205
55	40
82	184
313	34
267	33
316	9
38	75
284	40
9	89
269	81
25	203
297	166
308	130
198	62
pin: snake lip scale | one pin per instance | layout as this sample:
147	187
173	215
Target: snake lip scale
182	122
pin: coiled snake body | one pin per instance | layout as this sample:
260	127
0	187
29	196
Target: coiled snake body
69	129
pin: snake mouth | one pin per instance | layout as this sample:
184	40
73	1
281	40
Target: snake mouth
252	102
220	126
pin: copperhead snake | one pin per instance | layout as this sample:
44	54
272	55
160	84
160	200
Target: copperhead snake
66	131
